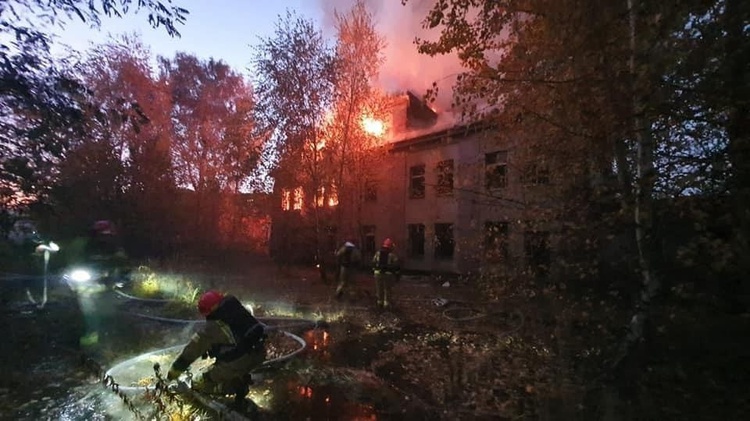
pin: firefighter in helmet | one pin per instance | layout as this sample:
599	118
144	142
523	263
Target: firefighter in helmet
348	257
387	270
234	337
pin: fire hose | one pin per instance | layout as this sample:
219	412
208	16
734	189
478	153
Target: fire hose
268	363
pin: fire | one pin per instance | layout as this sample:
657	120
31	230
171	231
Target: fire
298	198
373	126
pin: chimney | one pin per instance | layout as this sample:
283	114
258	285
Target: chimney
399	108
409	112
419	114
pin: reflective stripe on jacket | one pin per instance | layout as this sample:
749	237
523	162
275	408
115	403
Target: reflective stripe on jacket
229	333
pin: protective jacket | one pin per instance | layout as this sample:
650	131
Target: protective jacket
348	255
230	332
385	261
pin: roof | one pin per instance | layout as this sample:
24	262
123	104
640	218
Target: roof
432	138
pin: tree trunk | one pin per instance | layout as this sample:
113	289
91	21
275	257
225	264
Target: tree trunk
737	58
643	206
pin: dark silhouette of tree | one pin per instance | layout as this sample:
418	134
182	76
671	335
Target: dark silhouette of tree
295	72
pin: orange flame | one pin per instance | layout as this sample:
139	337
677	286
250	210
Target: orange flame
373	126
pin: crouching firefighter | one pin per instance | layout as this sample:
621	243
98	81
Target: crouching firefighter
231	335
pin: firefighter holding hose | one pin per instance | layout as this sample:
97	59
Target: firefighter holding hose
234	337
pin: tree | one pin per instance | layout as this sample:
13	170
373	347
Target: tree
214	150
358	60
295	82
132	118
40	100
622	96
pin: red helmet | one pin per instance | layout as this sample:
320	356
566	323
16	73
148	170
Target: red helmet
104	227
208	302
387	243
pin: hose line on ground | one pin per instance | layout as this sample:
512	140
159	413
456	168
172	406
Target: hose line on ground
123	365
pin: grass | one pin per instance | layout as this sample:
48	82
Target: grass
148	283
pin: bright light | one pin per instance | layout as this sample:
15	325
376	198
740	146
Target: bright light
286	199
373	126
51	247
298	198
80	275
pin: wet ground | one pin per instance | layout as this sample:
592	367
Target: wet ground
341	375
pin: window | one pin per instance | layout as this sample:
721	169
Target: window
496	169
416	240
331	241
444	243
298	198
371	191
537	250
416	182
368	237
444	185
286	199
333	196
496	241
536	174
320	196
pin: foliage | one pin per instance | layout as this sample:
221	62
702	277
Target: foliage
42	107
147	283
295	71
355	153
626	103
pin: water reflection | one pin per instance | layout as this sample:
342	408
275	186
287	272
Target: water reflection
322	402
319	342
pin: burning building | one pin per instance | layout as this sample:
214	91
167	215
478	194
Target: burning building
447	194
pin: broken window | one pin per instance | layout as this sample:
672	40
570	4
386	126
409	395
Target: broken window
331	241
444	185
416	240
496	169
416	182
537	250
299	197
496	241
320	197
368	237
333	196
536	174
444	242
286	199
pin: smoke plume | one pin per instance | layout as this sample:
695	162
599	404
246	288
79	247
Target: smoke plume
404	68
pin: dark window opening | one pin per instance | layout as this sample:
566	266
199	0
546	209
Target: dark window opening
368	239
496	169
416	240
444	242
444	185
537	174
537	250
496	241
331	241
416	182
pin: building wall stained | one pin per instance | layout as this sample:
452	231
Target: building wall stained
471	207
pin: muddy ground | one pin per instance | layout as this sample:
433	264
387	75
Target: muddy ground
441	353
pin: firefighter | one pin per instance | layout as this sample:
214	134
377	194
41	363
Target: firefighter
103	249
347	257
387	269
234	337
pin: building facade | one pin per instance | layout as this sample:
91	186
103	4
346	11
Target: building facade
453	199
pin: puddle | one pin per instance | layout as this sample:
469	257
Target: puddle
44	378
